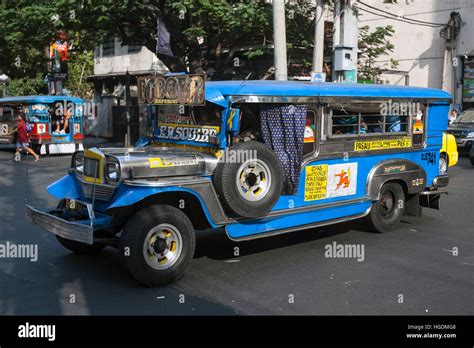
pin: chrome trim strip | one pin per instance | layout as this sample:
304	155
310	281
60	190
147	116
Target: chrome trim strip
298	228
315	207
166	181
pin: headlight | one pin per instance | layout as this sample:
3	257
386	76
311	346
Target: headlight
112	170
470	135
77	162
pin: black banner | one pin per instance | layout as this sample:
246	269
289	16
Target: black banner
289	330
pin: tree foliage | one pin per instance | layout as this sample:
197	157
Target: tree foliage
206	35
373	45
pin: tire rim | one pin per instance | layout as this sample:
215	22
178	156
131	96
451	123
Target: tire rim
162	246
387	203
443	166
253	180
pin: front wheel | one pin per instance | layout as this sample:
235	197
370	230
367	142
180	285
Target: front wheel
157	245
387	212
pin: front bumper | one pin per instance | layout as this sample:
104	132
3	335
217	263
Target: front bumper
76	231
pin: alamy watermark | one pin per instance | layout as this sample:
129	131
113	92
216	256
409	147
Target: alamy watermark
10	250
345	251
238	156
396	108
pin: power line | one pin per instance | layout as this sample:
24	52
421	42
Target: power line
398	19
410	19
402	19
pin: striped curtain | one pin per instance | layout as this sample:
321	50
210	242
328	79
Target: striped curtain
283	131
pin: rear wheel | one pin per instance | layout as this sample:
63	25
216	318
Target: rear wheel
157	245
443	163
387	212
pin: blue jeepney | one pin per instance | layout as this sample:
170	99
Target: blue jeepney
56	121
252	160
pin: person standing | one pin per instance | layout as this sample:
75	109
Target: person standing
452	116
22	138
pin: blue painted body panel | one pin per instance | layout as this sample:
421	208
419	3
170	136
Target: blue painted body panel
219	93
323	89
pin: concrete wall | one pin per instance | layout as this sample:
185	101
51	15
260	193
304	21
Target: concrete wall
122	60
420	49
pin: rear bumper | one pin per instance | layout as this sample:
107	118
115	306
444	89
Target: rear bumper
441	181
60	227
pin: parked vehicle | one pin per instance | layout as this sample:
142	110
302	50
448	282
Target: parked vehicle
463	130
57	122
245	164
448	155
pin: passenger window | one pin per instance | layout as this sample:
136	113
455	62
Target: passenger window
418	126
309	132
361	119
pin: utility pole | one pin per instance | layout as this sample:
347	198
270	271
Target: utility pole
279	39
127	103
318	53
345	41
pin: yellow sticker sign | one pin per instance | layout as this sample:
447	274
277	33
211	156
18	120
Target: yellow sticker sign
316	182
157	162
370	145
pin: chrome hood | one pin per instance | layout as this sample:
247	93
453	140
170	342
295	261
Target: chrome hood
154	162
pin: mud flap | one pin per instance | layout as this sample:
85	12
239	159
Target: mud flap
413	207
431	199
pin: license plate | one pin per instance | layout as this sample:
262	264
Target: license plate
76	206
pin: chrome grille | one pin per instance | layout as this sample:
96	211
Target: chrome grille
102	192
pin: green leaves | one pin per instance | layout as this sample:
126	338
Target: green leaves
373	45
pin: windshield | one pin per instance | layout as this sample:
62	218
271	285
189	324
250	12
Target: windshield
185	123
466	117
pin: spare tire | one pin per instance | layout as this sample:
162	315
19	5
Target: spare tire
250	185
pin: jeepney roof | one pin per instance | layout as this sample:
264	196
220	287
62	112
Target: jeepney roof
318	89
46	99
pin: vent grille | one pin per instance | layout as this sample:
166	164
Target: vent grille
102	192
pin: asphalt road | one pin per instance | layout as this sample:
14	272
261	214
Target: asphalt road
413	270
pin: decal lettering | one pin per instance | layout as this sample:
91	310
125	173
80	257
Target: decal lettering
162	162
201	134
394	169
316	182
429	158
370	145
3	129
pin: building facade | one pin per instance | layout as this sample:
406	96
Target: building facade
423	44
112	62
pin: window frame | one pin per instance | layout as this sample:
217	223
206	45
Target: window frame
328	115
317	110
